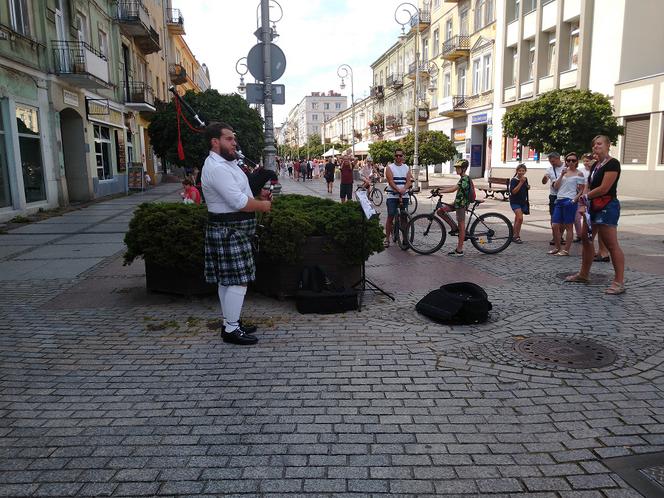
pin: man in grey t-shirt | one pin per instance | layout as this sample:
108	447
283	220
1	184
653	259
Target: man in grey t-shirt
552	174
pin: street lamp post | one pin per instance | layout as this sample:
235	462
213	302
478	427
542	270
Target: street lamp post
345	71
412	10
241	63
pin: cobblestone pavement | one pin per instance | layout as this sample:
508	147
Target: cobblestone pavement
106	390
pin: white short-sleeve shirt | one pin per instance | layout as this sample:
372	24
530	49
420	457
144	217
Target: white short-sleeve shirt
225	185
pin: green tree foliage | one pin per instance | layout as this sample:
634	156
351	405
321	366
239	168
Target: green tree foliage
434	147
382	151
562	120
211	106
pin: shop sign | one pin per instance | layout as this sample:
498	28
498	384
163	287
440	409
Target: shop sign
480	118
459	135
70	98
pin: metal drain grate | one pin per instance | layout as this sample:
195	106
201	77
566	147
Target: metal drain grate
565	352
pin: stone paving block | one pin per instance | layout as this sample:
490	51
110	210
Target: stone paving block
372	486
546	484
59	489
596	481
137	488
455	487
502	485
98	489
180	488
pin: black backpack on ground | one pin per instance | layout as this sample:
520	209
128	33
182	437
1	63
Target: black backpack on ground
318	294
460	302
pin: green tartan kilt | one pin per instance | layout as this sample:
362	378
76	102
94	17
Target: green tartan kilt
229	258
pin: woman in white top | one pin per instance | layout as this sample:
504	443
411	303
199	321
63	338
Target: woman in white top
569	184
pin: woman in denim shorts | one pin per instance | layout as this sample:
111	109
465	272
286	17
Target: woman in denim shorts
604	210
569	185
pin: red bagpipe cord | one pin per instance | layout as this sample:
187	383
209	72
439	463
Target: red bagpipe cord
179	114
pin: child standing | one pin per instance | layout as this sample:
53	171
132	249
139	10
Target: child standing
519	200
461	201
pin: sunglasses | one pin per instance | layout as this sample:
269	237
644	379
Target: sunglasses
398	155
571	160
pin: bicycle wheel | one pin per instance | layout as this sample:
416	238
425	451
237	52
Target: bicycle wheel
427	233
412	204
376	197
403	232
491	233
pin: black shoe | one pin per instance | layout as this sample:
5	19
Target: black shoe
247	329
239	337
454	232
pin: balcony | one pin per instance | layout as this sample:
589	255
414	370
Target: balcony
453	106
377	92
177	73
424	73
175	22
421	20
134	20
479	99
79	64
139	97
393	122
456	47
422	115
394	81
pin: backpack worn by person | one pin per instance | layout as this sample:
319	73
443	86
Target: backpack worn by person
317	293
460	303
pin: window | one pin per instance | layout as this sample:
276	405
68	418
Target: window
487	80
515	65
337	105
531	60
513	10
436	43
476	77
529	6
82	31
103	43
314	105
448	30
326	106
637	132
461	74
447	85
463	22
314	117
479	14
102	136
20	18
434	94
551	54
436	4
425	50
574	46
5	188
490	12
27	121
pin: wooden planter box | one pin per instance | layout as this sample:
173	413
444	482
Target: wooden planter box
281	280
176	281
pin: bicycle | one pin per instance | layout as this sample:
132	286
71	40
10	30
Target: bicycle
490	233
374	195
401	227
412	203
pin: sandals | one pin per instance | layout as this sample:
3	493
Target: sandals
600	259
615	289
562	252
553	251
517	240
577	279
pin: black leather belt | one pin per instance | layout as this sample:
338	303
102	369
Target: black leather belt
241	216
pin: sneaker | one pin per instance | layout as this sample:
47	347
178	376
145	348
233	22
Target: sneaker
455	253
237	336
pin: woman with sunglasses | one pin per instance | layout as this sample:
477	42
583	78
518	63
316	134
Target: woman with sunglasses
602	201
569	184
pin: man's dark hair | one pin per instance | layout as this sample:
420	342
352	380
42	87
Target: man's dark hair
213	130
398	149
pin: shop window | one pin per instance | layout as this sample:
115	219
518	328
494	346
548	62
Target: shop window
102	136
27	121
637	132
5	188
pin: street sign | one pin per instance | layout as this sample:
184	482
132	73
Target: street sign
255	62
255	94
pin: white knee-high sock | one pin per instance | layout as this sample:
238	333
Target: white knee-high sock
221	291
232	306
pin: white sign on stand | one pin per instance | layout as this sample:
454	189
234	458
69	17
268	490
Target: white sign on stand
367	207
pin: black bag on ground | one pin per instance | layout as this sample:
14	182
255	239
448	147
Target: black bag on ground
459	302
318	294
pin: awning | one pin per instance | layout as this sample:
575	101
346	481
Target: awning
331	152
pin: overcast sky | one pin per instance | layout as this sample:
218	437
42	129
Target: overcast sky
315	35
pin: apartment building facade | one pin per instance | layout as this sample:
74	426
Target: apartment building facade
612	47
310	114
78	84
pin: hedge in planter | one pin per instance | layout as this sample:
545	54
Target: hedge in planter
170	237
293	218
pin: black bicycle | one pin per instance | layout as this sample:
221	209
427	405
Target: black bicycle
490	233
412	203
374	195
400	227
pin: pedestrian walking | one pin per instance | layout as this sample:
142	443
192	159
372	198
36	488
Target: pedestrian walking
519	201
229	260
602	201
346	186
329	175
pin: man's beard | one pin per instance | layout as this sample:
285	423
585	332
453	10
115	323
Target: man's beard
227	156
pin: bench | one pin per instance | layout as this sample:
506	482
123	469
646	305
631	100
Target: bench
496	186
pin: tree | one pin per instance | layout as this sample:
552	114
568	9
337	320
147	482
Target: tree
562	120
433	147
211	106
382	151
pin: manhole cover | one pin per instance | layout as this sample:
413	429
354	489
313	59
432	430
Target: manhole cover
565	352
645	473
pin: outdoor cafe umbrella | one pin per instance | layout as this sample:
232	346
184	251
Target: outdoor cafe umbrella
331	152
